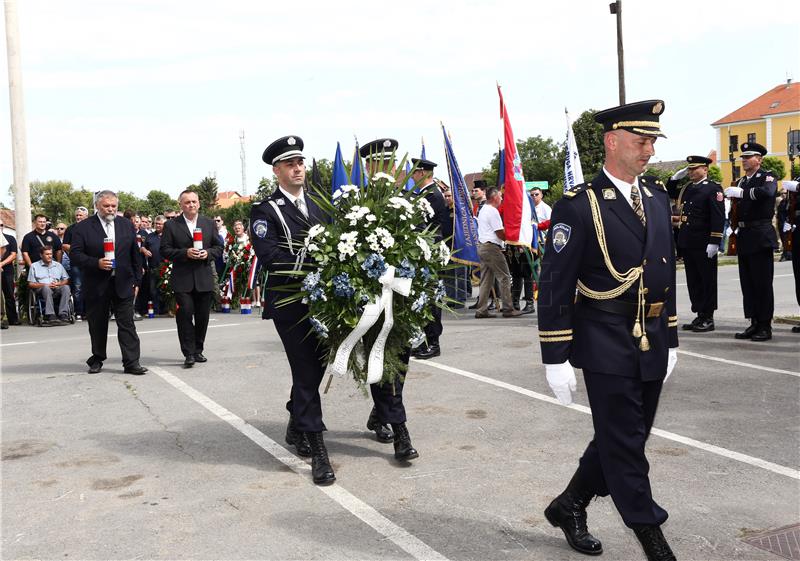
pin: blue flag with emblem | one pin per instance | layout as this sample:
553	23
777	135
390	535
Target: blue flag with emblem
357	175
409	179
464	245
422	154
339	171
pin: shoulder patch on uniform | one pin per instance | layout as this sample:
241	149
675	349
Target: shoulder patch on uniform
770	178
260	228
561	233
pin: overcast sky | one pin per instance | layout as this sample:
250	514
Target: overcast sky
141	94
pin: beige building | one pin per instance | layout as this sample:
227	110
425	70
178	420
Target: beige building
767	120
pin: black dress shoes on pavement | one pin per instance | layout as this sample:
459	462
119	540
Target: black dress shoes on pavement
705	325
690	326
747	333
189	361
199	357
568	512
796	329
382	431
654	543
297	439
95	368
135	369
763	333
321	470
403	450
428	351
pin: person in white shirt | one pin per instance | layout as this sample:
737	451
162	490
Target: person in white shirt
491	235
543	210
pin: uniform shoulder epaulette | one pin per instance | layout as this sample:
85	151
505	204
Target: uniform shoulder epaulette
576	190
653	181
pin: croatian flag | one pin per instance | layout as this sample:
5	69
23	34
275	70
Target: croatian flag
573	173
251	277
516	205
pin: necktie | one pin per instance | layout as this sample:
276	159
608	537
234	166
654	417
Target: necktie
300	204
636	199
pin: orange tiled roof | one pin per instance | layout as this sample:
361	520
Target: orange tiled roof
780	99
9	218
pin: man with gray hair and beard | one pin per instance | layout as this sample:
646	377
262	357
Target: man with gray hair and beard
104	247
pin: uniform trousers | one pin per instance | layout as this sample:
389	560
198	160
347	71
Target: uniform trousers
796	261
97	313
194	305
701	280
433	330
756	272
8	294
614	463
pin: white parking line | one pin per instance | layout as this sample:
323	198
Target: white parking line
730	454
737	363
358	508
16	344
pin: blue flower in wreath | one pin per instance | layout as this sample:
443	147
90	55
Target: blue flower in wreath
342	286
419	303
426	274
311	281
374	265
316	293
406	270
319	327
440	292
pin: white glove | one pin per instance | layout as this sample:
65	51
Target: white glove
734	192
561	378
712	249
790	186
672	360
787	227
680	174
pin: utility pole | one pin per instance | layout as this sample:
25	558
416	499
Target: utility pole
616	8
244	166
19	147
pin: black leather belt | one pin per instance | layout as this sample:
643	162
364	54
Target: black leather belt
622	307
754	223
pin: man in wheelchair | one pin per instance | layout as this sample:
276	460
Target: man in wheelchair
50	282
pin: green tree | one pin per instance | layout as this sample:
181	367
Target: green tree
714	173
129	201
662	174
156	202
589	138
207	193
84	198
775	165
238	211
265	188
542	160
52	198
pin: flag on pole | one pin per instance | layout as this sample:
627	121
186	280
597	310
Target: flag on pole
231	286
516	206
464	245
339	171
573	173
422	154
357	175
251	276
409	180
501	173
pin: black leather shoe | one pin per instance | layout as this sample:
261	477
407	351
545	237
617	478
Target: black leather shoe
795	329
420	349
189	361
762	334
403	450
429	352
321	470
747	333
529	308
704	325
654	543
568	512
199	357
474	306
297	439
95	368
690	326
135	369
382	431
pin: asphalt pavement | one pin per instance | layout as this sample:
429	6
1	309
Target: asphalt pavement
191	464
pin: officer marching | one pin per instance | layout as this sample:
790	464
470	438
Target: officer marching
702	218
611	240
754	196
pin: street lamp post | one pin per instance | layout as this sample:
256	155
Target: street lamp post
616	8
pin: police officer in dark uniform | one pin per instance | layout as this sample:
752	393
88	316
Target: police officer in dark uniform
756	240
443	226
794	219
612	239
702	216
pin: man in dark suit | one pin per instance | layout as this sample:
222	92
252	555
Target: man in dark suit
192	281
108	282
443	227
702	215
611	239
755	241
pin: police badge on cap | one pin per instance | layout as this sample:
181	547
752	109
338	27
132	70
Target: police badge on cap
639	118
379	149
753	149
697	161
285	148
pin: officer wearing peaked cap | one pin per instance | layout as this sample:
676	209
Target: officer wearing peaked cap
611	240
754	196
702	217
278	228
379	154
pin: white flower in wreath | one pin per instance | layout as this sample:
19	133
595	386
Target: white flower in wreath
371	217
315	231
426	208
357	213
347	244
345	191
444	253
426	249
374	243
384	176
401	203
